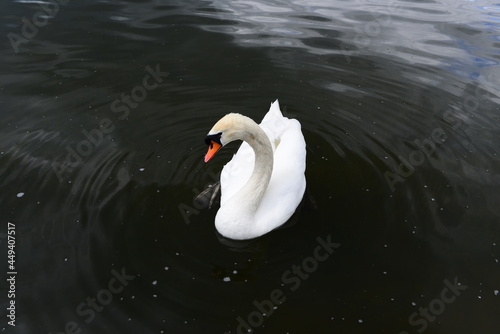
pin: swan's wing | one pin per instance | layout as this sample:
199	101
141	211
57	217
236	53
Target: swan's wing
288	183
236	172
274	124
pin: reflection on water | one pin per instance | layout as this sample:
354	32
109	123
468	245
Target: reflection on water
104	109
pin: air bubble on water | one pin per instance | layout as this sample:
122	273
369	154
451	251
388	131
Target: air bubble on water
360	321
495	292
166	268
154	282
19	195
227	279
141	169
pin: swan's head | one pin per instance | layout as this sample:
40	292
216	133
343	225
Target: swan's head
229	128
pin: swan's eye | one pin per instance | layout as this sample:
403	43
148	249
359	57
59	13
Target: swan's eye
213	138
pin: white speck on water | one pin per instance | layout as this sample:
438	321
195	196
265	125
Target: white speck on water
235	271
155	296
141	169
496	292
19	195
154	282
227	279
65	259
384	272
166	268
413	304
360	321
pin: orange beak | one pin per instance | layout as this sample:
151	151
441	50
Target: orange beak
212	149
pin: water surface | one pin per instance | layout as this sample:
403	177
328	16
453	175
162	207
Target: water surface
105	105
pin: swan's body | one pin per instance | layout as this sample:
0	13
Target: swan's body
264	182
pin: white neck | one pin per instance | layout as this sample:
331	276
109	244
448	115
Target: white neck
239	210
256	186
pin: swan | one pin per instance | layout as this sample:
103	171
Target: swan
264	182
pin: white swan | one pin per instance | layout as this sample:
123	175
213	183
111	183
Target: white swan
264	182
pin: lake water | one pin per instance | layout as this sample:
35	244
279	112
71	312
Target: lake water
104	109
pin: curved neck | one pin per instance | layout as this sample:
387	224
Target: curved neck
252	192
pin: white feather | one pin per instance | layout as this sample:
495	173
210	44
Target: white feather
287	184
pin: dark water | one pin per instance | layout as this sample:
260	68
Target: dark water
104	107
